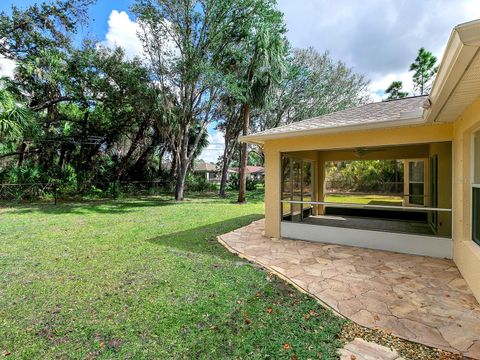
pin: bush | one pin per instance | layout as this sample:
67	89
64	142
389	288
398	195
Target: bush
198	183
22	182
234	183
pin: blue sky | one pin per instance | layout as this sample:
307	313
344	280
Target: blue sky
379	38
99	12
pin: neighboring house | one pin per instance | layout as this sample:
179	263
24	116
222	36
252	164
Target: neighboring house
253	172
209	171
438	137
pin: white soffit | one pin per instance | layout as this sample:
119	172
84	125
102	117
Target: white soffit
466	92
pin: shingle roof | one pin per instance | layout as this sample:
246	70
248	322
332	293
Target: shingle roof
377	112
250	169
204	167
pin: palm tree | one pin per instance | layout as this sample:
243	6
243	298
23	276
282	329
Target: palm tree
14	118
262	71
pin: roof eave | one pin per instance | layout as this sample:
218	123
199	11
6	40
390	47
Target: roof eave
461	49
260	139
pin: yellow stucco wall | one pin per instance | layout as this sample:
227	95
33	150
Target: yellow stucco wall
466	253
379	137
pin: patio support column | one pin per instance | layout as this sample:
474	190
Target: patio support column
272	191
406	182
320	184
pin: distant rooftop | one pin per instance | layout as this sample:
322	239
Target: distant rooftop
250	169
203	166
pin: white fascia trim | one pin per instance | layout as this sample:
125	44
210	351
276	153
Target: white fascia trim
260	139
461	48
469	32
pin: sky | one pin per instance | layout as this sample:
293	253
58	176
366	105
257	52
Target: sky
378	38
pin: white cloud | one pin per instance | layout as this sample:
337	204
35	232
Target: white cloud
215	147
381	83
122	32
7	67
379	38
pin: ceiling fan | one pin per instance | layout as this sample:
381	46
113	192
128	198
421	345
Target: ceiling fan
361	152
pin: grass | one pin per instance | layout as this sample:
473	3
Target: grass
354	199
146	278
365	199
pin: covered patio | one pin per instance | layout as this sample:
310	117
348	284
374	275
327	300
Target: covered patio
418	298
415	216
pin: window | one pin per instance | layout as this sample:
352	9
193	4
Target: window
416	185
476	189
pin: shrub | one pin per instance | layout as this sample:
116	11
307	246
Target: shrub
198	183
234	183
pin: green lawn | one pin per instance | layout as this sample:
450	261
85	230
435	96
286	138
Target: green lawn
365	199
146	278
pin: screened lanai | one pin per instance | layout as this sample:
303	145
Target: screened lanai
413	204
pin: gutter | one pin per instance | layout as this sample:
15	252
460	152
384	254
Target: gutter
462	47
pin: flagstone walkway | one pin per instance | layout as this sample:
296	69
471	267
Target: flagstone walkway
417	298
359	349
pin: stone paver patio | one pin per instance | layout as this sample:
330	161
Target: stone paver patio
360	349
417	298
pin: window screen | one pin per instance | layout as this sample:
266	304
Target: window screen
286	185
476	157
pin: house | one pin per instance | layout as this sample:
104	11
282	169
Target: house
437	136
253	172
208	170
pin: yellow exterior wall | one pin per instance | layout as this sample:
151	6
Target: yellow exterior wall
272	191
378	137
466	253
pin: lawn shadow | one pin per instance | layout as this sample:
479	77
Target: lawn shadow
102	206
119	206
202	240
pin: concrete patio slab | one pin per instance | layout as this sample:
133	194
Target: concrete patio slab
417	298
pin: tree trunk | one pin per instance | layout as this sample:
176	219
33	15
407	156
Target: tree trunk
182	164
174	162
180	186
81	153
225	165
244	155
21	155
63	156
133	147
160	159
